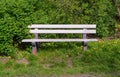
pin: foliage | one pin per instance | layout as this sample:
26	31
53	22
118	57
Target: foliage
16	15
100	12
104	54
13	24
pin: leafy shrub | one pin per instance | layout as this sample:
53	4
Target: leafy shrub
101	13
13	24
104	54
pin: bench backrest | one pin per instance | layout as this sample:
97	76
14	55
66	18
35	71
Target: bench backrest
63	28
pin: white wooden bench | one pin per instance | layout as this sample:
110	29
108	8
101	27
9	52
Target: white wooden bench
61	29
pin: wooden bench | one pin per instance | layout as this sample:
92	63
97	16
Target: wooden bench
61	29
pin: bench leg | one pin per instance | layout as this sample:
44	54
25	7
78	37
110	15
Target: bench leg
34	48
85	42
85	46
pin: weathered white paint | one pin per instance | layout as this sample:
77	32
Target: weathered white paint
63	31
57	40
62	26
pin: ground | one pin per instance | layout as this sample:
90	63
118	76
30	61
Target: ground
69	63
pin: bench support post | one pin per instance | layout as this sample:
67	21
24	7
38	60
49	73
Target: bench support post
85	42
34	45
36	35
34	48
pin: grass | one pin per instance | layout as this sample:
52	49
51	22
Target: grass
102	59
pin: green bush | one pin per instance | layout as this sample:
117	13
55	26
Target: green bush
16	15
14	19
99	12
103	54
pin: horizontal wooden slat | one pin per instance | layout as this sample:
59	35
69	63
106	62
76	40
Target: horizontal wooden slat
63	31
62	26
57	40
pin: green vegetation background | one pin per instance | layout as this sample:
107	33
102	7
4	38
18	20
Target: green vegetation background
16	15
57	58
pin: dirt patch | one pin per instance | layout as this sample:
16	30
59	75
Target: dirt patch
47	65
117	35
22	61
85	75
69	62
4	59
79	75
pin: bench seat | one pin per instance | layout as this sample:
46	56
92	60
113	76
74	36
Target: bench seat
58	40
